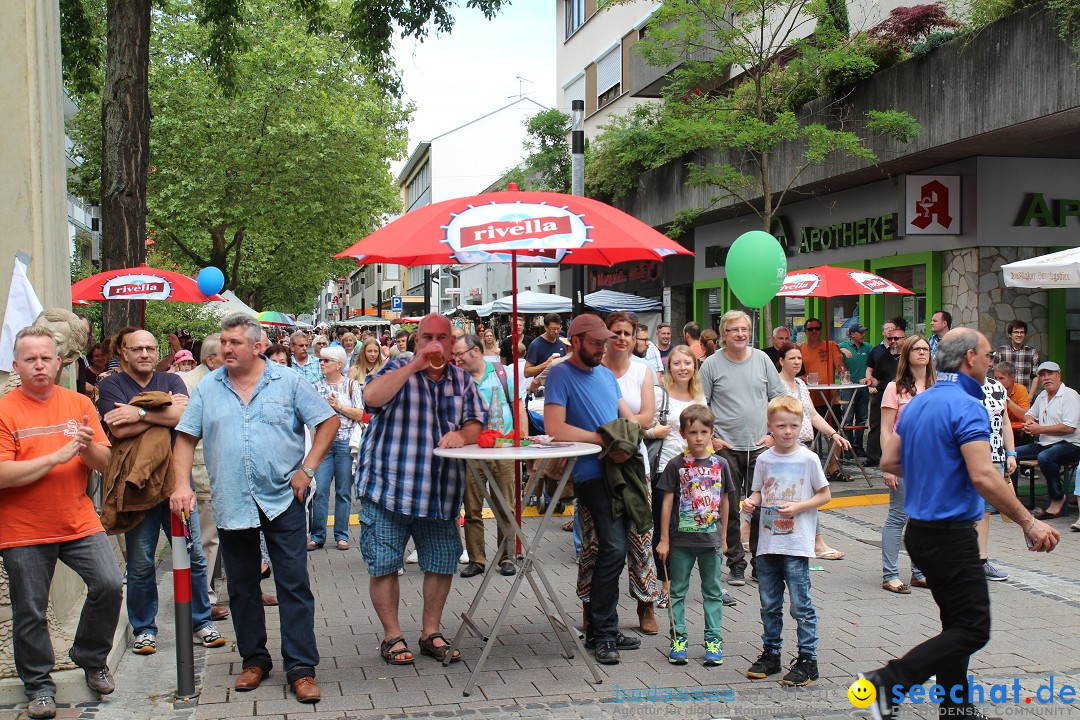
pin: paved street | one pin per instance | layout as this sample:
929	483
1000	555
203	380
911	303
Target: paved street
861	626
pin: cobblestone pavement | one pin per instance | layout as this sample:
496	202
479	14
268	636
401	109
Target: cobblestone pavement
860	626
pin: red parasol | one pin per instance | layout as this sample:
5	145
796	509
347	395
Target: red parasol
139	283
827	281
511	227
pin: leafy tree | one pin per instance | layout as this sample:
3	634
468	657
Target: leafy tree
733	112
125	100
547	166
266	181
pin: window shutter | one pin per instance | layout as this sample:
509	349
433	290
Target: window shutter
609	71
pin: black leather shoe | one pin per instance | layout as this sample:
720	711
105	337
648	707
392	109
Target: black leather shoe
607	653
507	568
472	570
622	643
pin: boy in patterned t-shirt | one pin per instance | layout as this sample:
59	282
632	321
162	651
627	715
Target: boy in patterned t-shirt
695	531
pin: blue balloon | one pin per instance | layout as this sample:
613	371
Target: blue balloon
211	280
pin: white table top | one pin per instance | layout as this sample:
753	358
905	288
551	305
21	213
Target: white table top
530	452
841	386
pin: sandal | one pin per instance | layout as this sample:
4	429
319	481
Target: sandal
900	589
830	554
394	657
429	648
568	526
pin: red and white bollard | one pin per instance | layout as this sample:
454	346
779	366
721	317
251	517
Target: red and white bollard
185	649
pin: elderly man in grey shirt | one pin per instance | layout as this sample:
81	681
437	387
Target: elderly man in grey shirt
738	382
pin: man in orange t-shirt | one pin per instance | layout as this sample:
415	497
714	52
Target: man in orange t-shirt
50	438
821	357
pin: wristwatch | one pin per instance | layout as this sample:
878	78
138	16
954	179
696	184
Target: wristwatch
308	471
142	413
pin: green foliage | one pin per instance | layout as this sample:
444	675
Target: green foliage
549	150
269	180
82	33
745	70
984	12
935	40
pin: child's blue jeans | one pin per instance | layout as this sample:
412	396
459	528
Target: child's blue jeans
775	571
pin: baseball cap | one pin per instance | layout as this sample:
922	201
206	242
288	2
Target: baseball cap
591	325
1048	365
183	334
856	328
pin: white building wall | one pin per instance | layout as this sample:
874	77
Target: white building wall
494	281
599	33
467	159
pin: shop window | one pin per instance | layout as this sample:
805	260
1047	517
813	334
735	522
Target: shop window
910	307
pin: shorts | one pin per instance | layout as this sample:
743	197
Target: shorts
988	507
384	535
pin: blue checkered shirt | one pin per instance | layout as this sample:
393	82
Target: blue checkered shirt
398	469
311	372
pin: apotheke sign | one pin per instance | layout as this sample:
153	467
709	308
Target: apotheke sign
866	231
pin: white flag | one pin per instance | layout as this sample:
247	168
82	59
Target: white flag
23	307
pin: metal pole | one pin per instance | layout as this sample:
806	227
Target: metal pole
577	187
378	291
427	290
515	338
185	649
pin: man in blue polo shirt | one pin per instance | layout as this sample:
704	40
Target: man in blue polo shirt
942	449
581	396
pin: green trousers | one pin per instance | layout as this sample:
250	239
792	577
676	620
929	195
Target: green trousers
680	564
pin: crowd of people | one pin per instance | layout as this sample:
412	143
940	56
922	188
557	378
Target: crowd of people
709	459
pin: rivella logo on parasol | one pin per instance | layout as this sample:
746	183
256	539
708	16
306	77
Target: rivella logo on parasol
873	283
541	233
137	287
797	285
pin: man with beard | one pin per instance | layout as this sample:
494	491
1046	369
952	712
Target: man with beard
580	397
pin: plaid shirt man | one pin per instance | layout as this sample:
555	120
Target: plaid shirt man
1026	359
311	371
398	469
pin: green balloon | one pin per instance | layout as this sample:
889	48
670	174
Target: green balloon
756	266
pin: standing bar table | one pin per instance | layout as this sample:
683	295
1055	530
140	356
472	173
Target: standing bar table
530	566
839	423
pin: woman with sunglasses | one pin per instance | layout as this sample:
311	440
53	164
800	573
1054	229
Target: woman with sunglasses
914	373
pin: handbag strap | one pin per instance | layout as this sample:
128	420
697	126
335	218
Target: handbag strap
664	406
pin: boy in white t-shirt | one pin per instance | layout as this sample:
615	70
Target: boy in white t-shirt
789	486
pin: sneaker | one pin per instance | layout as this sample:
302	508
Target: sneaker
738	577
881	708
622	642
43	706
607	653
677	654
209	637
802	672
145	644
767	664
412	558
993	573
100	680
714	653
727	599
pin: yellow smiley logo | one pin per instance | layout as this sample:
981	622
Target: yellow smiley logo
861	693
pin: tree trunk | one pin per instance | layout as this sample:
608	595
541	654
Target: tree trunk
125	121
